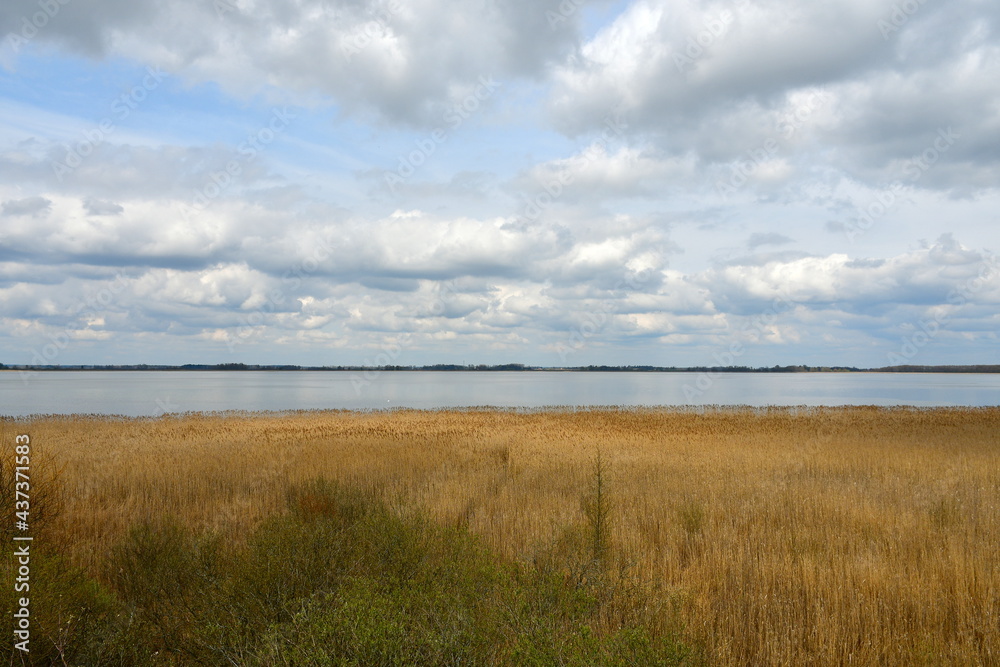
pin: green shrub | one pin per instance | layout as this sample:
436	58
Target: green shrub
369	623
69	612
339	579
167	581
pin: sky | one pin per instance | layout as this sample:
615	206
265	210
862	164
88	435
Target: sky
335	182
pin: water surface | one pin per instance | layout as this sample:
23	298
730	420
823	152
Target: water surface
147	393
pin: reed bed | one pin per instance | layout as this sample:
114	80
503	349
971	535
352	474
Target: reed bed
855	535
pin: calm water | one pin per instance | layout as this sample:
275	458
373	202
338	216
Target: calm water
153	393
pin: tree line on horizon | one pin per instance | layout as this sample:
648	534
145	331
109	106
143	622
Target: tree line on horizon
977	368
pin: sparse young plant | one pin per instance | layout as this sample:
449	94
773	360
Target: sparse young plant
47	496
597	508
691	514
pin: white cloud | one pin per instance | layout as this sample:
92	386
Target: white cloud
407	61
656	186
719	80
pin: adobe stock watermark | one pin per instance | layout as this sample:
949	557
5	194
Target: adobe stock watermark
755	158
443	293
453	119
926	330
713	29
31	25
219	181
390	352
224	7
913	169
596	320
121	108
375	366
898	17
20	560
251	323
90	308
534	207
566	9
379	25
757	326
164	406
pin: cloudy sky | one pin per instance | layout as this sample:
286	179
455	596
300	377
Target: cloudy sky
555	183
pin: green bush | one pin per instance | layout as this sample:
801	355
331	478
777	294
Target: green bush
338	579
69	612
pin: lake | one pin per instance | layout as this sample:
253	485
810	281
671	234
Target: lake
140	393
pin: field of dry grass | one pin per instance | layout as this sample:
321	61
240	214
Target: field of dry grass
776	536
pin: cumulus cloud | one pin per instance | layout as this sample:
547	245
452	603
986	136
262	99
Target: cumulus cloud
723	80
601	173
649	182
927	276
406	61
482	283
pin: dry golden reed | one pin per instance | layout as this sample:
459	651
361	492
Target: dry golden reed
777	536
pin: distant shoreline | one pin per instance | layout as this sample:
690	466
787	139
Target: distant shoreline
452	368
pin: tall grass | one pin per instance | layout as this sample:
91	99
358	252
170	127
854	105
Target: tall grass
860	535
338	578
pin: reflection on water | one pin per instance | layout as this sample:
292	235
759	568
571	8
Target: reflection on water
137	393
